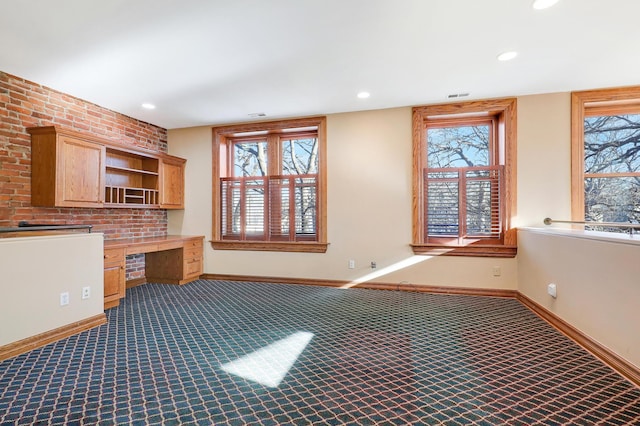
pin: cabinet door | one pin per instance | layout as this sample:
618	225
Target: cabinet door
172	183
80	180
113	279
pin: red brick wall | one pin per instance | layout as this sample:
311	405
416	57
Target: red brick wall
26	104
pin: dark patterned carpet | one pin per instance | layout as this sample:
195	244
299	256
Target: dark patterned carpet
214	352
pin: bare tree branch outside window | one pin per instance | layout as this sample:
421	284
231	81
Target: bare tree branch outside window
274	199
611	168
457	147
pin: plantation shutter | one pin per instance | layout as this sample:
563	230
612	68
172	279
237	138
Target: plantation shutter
464	202
275	208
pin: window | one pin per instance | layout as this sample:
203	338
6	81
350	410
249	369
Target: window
606	156
464	178
269	186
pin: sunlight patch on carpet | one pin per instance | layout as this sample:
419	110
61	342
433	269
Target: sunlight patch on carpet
269	365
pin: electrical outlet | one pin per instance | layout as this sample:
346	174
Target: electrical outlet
86	292
352	264
64	298
552	290
374	265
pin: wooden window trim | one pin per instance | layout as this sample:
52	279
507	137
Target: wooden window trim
221	166
505	111
590	103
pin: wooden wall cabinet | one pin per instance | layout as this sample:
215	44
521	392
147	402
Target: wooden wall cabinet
66	171
172	183
71	169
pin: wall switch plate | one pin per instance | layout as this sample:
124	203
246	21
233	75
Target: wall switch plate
64	298
86	292
497	271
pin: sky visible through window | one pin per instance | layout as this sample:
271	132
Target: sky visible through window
274	197
612	144
300	156
612	147
459	146
250	158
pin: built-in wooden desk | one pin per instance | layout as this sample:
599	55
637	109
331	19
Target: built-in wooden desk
172	259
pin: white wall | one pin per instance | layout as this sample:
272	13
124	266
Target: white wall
544	158
194	144
369	211
598	286
35	270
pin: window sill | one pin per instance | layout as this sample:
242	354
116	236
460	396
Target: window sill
475	250
299	247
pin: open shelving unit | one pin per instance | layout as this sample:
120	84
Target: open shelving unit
131	179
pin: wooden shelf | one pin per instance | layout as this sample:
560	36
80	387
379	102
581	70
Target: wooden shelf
128	170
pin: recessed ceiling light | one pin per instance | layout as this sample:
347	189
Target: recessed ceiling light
364	95
543	4
148	106
507	56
